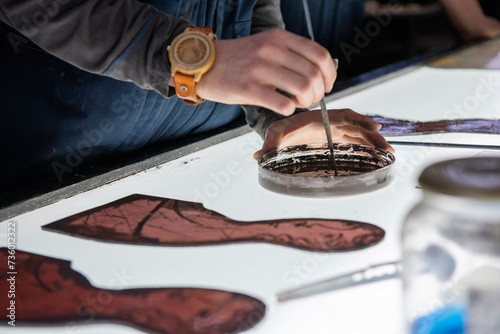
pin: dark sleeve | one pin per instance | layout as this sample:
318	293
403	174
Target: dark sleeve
259	118
266	16
123	39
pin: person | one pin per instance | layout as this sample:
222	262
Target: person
469	20
87	80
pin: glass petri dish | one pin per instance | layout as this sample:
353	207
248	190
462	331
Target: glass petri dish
306	170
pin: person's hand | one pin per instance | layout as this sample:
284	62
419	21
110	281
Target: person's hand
307	128
249	70
488	27
469	20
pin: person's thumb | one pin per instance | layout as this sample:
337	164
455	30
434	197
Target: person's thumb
266	147
271	142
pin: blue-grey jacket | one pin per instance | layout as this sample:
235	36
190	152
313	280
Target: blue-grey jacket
61	105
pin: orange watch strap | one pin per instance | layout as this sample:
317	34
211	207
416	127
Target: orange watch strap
185	87
204	30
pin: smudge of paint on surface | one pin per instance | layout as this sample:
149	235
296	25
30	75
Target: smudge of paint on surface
141	219
397	127
48	291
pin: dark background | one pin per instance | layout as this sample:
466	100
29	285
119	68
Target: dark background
417	30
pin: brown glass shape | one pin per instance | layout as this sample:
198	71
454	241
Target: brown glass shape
48	291
395	127
141	219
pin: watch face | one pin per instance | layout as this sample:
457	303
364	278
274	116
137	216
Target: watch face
192	51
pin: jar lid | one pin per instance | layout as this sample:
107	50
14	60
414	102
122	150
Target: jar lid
469	177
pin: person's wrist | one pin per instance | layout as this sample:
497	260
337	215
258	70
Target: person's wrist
205	84
202	88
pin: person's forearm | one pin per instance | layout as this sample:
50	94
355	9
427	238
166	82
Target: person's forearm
468	18
462	13
122	39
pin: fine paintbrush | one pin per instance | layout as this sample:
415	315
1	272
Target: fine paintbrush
324	111
431	144
368	275
374	273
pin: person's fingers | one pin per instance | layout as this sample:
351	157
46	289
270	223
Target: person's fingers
303	89
249	70
290	72
292	132
266	147
376	139
348	116
317	55
308	126
492	27
277	133
304	84
355	140
371	137
383	144
261	152
269	98
274	136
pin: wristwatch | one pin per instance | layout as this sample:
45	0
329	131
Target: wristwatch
191	55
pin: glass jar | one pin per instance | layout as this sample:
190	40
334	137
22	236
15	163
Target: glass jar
451	250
